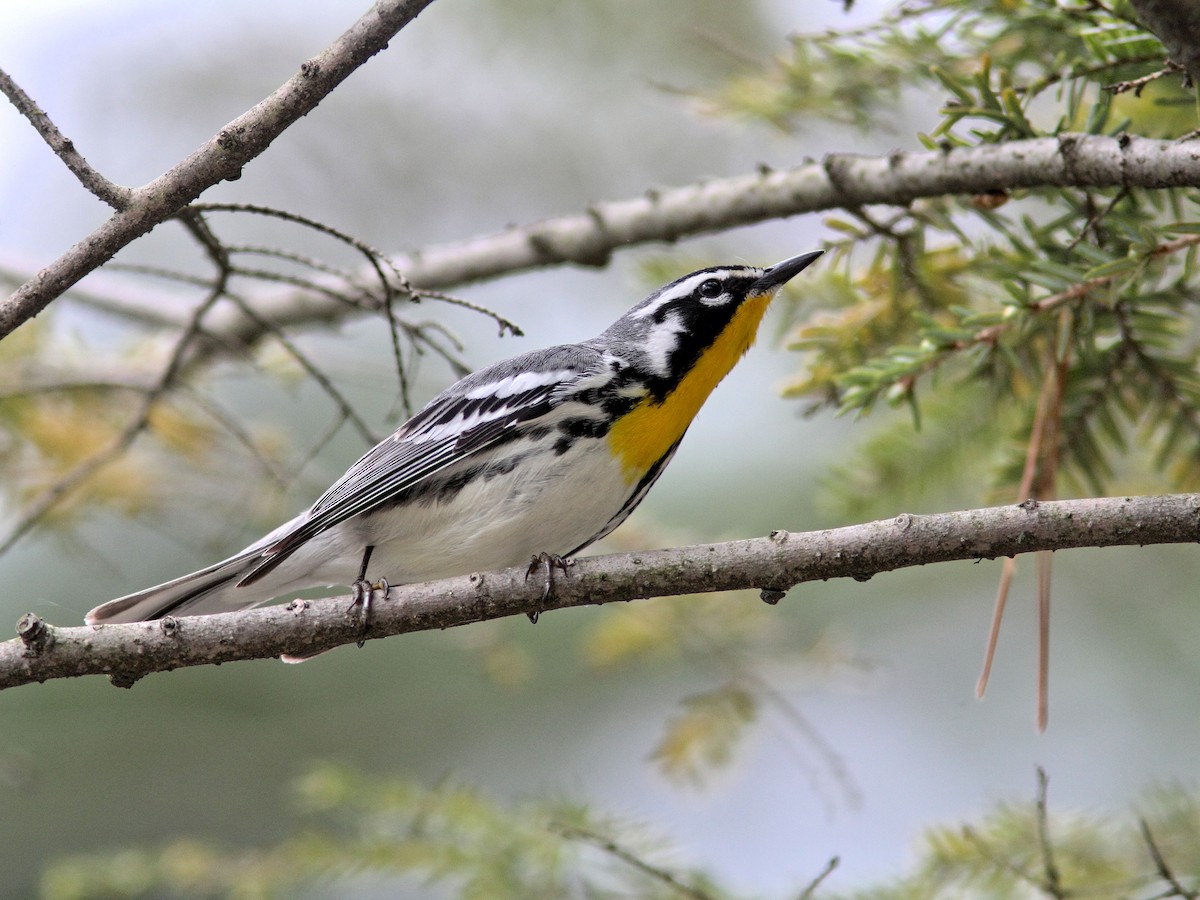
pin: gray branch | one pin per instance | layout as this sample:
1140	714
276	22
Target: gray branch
114	195
771	564
839	181
219	159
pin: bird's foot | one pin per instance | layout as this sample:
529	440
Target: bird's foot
550	562
362	593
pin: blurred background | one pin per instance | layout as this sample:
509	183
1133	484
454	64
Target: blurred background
484	113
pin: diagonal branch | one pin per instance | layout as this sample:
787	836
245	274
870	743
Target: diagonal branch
775	563
669	879
219	159
839	181
113	194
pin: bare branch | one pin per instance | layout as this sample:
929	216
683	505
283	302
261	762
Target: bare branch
79	384
221	158
1164	870
238	432
631	859
839	181
1053	877
317	374
43	503
114	195
376	259
299	259
775	563
811	890
1137	85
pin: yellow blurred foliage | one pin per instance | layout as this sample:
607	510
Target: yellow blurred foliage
182	433
508	663
630	633
64	430
705	735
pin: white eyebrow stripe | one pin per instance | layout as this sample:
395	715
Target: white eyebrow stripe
685	288
651	308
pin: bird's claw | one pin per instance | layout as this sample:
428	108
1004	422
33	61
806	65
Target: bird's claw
362	593
549	561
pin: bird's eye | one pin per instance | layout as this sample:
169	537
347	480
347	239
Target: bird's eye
710	288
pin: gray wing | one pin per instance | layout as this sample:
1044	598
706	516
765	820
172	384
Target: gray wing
487	408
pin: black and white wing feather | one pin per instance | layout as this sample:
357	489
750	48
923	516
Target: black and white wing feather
480	412
485	409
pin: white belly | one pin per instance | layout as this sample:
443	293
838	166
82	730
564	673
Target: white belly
549	504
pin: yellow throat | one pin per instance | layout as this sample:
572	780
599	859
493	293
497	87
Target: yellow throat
646	432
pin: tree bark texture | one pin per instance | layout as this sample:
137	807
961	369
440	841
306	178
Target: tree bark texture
770	564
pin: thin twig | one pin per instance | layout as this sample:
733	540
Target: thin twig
307	284
162	272
1096	218
506	325
1083	288
990	334
401	371
377	259
1040	84
81	385
1053	881
323	441
1041	714
450	356
612	848
301	259
394	280
1164	870
115	195
809	892
221	158
833	760
986	851
66	484
1044	487
1007	570
1137	85
230	423
314	371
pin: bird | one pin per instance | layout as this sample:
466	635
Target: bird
532	458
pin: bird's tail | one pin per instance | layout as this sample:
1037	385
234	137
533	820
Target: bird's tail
210	590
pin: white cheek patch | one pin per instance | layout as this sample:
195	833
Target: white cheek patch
662	341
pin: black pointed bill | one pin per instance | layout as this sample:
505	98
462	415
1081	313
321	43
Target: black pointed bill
781	273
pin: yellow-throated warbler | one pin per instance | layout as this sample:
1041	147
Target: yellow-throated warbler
541	454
